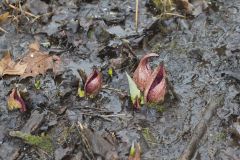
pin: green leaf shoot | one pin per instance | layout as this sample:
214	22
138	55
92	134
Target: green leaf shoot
134	91
81	92
37	84
110	71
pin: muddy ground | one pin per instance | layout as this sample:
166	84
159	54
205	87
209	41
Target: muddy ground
201	55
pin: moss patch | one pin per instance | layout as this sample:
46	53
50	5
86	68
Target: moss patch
42	142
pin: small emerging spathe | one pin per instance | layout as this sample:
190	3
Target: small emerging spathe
93	83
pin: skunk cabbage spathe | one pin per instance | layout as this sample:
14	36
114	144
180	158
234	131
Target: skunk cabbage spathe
143	71
93	83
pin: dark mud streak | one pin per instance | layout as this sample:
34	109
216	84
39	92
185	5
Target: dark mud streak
201	128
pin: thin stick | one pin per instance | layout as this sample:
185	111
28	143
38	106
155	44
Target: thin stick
113	89
26	12
201	127
3	30
96	115
173	14
113	115
136	17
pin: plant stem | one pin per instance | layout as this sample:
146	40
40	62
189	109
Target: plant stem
136	16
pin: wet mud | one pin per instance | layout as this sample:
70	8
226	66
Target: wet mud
200	118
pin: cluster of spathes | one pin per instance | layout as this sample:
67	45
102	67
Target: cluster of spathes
151	82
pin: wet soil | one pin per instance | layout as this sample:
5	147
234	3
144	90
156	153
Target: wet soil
202	59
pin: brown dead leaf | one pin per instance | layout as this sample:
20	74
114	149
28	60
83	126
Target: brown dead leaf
4	17
34	63
34	46
194	8
185	5
4	61
9	67
39	62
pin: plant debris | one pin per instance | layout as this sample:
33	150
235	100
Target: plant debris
135	152
38	62
135	93
15	101
4	17
35	62
42	142
9	67
43	45
194	8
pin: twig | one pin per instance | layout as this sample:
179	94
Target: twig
201	127
92	115
3	30
172	14
96	115
26	12
85	141
98	110
112	89
113	115
118	91
136	16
